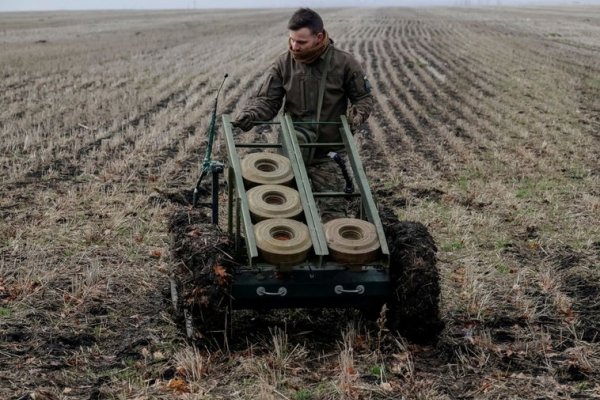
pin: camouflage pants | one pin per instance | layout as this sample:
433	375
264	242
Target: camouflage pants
325	176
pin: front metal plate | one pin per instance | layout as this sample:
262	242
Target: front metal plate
316	288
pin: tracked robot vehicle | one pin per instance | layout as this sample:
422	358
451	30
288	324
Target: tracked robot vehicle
275	252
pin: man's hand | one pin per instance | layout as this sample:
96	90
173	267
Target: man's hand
244	122
355	118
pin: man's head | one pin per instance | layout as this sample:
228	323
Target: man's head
306	30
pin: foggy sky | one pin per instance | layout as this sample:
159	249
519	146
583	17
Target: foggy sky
32	5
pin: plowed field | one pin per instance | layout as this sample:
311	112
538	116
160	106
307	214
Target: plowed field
486	129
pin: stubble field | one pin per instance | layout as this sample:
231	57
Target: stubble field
486	129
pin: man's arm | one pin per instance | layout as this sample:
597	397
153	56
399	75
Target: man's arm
358	90
265	104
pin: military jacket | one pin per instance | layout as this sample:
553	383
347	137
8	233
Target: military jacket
298	84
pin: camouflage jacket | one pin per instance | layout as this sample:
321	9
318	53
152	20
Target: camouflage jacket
298	84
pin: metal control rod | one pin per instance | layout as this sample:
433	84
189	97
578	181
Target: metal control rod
207	164
342	164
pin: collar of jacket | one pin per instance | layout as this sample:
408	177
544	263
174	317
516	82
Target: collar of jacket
309	57
329	47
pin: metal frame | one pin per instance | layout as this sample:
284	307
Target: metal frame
310	283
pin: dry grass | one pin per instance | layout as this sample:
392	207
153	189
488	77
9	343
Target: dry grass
485	129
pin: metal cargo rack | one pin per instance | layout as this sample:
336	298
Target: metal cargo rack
319	281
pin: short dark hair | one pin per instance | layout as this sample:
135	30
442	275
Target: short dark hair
306	18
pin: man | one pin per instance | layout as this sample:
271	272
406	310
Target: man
316	80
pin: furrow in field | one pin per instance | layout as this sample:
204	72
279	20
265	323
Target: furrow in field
461	111
150	53
184	153
423	30
438	71
411	29
242	83
493	135
357	32
371	141
388	30
52	155
370	32
537	44
381	28
121	135
434	75
396	31
61	104
420	97
72	148
546	124
179	150
549	42
520	125
432	104
484	103
67	65
561	55
410	113
399	129
52	93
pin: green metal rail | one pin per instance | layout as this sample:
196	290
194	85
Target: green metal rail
313	220
238	200
362	182
241	199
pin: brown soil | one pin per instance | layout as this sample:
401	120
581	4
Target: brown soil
485	131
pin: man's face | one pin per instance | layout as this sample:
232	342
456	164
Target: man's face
304	39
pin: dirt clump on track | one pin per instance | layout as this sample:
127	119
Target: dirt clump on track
200	272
